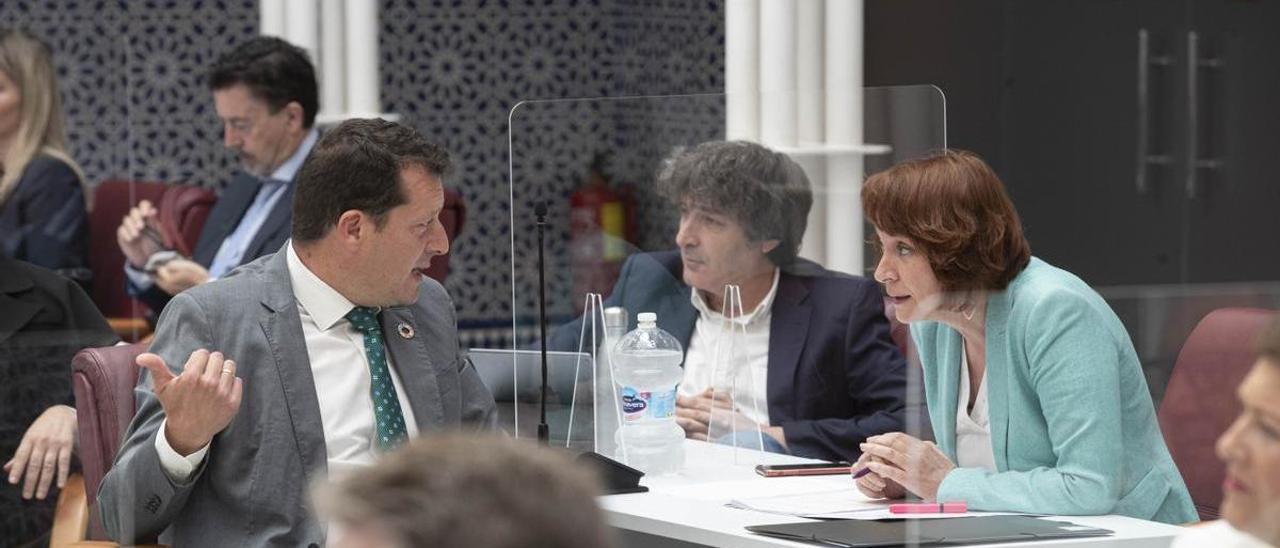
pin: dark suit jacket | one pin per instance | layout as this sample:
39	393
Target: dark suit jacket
834	374
45	320
44	220
252	487
223	220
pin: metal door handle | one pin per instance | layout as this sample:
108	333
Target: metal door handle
1144	156
1194	162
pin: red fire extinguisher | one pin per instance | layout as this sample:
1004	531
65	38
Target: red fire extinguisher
600	232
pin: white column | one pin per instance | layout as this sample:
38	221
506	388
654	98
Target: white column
302	26
362	59
845	234
741	69
332	57
778	73
814	245
271	17
810	128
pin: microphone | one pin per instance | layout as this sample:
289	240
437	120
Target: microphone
540	212
615	476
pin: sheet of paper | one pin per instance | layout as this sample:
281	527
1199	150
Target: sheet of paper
725	491
812	504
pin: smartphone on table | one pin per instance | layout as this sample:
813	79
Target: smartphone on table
806	469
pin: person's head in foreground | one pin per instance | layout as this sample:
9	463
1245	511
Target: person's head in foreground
456	491
1251	448
366	211
948	232
743	210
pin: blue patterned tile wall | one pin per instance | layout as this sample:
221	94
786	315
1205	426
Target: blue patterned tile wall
131	76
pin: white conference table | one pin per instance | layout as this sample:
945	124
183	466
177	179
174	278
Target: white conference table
688	508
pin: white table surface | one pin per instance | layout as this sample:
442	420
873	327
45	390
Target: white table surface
690	506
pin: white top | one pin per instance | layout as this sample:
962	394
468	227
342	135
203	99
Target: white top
340	369
1219	534
973	430
742	347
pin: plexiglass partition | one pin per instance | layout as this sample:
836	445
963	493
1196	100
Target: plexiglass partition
611	172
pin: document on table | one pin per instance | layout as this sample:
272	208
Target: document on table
812	504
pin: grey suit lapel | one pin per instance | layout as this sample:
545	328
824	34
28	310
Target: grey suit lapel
414	366
283	329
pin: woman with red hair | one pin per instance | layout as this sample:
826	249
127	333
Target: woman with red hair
1035	393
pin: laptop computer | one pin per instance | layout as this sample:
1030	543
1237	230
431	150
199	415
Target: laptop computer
516	375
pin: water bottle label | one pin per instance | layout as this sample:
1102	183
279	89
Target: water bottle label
634	404
662	406
637	406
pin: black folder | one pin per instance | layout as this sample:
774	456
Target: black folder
928	532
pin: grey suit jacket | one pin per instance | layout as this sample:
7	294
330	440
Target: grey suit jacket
252	487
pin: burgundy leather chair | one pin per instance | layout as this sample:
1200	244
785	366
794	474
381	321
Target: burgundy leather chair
1200	401
453	217
182	209
103	380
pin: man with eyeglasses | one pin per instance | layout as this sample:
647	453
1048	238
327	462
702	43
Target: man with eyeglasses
265	94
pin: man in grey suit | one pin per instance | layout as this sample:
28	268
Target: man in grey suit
302	364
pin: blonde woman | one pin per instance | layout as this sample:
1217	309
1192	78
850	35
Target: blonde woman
43	218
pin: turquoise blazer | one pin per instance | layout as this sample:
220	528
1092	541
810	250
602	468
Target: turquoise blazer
1073	428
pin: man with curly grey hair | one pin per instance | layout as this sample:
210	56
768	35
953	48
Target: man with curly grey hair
810	346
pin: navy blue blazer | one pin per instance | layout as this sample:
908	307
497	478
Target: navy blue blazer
834	373
44	220
223	219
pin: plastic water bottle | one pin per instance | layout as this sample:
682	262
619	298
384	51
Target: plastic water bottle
608	394
647	369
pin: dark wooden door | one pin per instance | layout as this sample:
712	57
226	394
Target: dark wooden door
1233	202
1075	136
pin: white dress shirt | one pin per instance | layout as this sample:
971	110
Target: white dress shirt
722	350
973	429
340	369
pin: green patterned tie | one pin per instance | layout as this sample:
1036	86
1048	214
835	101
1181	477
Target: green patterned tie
386	405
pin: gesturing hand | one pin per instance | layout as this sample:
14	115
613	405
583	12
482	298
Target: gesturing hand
45	452
200	402
917	465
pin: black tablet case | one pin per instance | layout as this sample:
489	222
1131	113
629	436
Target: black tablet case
928	532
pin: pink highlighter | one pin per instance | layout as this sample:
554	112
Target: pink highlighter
929	508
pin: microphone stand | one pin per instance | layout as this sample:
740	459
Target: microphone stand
540	211
617	477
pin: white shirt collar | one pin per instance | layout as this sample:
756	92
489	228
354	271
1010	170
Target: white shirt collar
761	311
290	167
325	305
